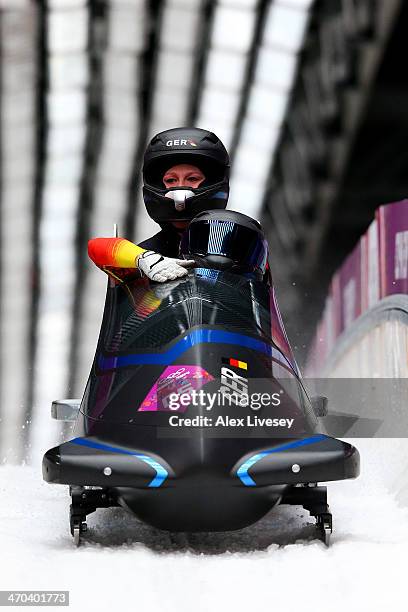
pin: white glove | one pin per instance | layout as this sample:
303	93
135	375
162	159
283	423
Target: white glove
161	269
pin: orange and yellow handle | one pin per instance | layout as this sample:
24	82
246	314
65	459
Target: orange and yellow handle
115	252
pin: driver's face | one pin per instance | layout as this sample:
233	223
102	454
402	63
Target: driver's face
183	175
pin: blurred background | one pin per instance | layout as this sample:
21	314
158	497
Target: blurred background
310	98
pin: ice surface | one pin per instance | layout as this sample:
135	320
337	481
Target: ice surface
275	564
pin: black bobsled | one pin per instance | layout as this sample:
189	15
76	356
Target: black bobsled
194	416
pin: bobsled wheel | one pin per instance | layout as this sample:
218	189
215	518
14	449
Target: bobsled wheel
325	527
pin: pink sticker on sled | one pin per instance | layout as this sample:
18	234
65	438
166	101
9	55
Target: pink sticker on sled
179	379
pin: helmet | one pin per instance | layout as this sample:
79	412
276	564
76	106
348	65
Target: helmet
179	146
226	240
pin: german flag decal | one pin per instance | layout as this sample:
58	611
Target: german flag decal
234	362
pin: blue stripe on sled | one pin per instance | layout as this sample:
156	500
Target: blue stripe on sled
242	471
161	472
196	336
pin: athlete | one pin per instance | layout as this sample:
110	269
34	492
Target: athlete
185	171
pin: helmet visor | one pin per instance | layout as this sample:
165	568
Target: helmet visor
245	247
213	171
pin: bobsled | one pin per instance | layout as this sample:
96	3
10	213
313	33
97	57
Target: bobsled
195	416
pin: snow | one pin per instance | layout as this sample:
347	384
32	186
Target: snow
276	563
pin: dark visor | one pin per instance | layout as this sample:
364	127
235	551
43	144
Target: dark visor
246	247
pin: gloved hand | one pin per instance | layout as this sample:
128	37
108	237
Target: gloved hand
161	269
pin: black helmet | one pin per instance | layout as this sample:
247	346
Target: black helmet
178	146
226	240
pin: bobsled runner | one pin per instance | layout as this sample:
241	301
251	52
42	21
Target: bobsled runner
195	416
